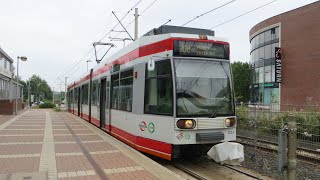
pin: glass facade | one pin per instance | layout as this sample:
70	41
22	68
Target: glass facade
263	88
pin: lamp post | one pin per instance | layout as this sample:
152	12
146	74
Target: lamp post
29	102
23	58
88	64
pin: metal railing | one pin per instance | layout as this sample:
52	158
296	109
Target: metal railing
264	130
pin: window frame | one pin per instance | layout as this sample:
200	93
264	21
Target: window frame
168	76
118	74
125	78
85	88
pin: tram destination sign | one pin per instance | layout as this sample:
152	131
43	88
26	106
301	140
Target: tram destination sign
200	49
278	65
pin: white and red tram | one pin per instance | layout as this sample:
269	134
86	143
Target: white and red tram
163	94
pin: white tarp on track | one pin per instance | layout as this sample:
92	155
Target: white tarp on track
227	153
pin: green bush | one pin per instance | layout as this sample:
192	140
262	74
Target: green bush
47	105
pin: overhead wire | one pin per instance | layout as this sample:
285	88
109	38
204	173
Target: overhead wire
203	14
143	11
244	14
77	62
121	20
112	30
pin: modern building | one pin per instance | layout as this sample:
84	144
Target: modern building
8	86
293	78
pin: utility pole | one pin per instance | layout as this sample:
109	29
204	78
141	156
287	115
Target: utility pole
53	95
29	100
136	15
60	95
88	64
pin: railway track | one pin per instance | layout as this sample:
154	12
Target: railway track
197	174
206	169
189	172
303	154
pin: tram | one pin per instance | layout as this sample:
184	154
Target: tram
168	92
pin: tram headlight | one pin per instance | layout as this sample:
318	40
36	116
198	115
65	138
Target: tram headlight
186	123
230	122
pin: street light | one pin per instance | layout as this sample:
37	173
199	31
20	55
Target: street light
88	65
29	88
23	58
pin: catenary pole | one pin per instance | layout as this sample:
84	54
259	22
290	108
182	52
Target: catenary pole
136	16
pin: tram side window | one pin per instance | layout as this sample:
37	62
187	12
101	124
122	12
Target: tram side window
114	91
85	94
76	96
158	89
94	93
125	93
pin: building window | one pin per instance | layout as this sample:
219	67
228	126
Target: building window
277	32
267	74
273	74
1	61
275	95
5	64
261	39
158	89
256	41
267	51
255	55
261	75
273	47
256	75
261	53
267	36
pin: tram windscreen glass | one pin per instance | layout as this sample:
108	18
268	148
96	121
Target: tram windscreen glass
201	49
203	88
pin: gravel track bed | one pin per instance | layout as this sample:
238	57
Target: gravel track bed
266	164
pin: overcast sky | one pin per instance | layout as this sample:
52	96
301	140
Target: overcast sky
56	34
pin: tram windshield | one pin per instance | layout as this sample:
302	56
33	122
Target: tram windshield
203	88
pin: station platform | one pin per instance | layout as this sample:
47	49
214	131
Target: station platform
44	144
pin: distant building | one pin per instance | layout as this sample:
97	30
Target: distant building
7	85
297	81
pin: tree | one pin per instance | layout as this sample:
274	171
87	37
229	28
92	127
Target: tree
39	88
241	78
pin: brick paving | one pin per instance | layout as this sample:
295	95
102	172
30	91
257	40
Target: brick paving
43	144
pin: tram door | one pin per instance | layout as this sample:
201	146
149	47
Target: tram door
103	103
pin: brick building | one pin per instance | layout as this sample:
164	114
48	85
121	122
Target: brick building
297	33
8	86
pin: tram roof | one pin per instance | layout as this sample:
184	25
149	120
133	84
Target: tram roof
143	41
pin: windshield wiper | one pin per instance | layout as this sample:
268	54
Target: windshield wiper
214	114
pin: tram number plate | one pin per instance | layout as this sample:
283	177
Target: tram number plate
231	132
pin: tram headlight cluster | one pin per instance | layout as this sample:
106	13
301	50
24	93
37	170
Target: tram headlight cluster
230	122
186	123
